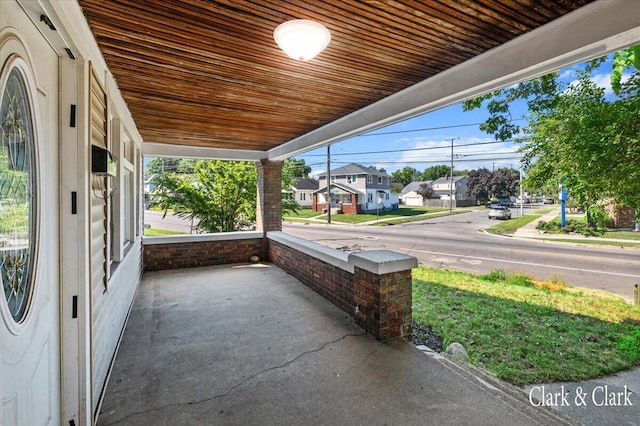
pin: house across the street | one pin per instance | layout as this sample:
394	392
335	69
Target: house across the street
302	190
355	189
442	192
409	194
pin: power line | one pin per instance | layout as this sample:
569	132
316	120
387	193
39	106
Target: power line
408	149
440	161
452	126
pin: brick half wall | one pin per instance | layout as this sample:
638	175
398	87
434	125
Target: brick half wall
189	251
374	287
330	281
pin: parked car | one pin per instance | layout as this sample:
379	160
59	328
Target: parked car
548	201
499	212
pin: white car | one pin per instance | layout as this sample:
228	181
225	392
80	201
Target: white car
499	212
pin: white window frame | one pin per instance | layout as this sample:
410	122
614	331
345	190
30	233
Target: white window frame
369	178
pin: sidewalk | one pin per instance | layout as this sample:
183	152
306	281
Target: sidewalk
529	231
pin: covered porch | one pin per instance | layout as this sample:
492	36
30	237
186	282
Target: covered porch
209	339
250	344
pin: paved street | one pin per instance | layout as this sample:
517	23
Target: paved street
458	243
171	223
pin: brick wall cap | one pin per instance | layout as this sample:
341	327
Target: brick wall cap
383	261
194	238
334	257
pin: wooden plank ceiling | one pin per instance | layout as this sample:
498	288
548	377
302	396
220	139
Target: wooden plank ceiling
208	73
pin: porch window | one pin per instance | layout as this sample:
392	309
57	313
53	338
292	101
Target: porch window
369	197
18	195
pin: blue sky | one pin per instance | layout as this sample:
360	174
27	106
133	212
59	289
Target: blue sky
431	145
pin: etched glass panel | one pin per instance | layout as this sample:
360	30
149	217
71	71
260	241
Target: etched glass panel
16	195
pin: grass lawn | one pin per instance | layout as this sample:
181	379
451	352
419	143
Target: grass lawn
403	214
595	241
544	210
510	226
525	331
302	214
155	232
622	235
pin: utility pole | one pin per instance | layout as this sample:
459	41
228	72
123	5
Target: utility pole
451	182
521	191
328	183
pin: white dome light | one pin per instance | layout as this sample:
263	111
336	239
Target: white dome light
302	39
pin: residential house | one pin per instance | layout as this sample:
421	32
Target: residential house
409	194
88	87
355	189
446	188
302	190
148	185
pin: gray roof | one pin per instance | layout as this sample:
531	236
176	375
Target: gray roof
305	183
339	186
413	186
355	169
447	179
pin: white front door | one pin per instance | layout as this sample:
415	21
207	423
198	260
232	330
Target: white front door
29	229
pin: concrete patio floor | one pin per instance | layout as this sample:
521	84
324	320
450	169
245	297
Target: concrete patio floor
249	344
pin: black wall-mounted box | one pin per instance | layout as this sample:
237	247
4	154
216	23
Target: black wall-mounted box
102	162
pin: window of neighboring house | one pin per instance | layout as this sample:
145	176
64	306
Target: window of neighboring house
386	196
369	197
369	179
303	196
380	179
333	179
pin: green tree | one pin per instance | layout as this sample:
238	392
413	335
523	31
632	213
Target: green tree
590	144
574	135
161	165
405	176
425	191
297	167
435	172
624	59
504	183
479	185
290	171
219	195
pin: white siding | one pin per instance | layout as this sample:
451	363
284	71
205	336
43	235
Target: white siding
110	312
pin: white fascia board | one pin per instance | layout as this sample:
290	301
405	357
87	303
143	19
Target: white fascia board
74	28
186	151
589	32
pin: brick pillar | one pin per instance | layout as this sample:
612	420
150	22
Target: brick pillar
269	203
383	293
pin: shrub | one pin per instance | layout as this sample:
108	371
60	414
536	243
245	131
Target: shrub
572	226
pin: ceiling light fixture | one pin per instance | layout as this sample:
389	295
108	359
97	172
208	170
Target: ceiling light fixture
302	39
